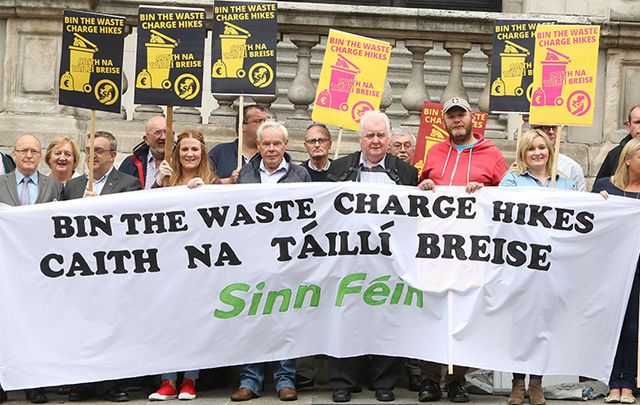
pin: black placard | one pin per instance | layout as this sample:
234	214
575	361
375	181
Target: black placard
91	61
170	56
512	65
244	47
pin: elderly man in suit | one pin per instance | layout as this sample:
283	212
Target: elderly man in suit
106	180
26	186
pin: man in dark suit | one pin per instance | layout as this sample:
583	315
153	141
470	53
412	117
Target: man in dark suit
372	164
26	186
106	180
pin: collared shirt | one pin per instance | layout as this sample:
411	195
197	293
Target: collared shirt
98	184
276	175
152	172
513	179
324	169
374	174
33	185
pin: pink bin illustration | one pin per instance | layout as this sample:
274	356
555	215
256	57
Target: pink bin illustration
554	70
343	75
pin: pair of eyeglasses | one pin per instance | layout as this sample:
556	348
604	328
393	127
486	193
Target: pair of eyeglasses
98	151
26	151
398	145
320	141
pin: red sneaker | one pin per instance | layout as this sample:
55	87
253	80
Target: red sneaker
165	392
188	389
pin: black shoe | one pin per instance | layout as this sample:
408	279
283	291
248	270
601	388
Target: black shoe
415	383
430	391
304	383
81	393
115	394
341	395
456	392
3	396
385	395
37	396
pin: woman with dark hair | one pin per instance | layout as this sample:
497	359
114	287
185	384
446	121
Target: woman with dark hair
189	166
533	167
625	182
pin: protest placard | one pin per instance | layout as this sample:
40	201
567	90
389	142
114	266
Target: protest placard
352	79
244	47
432	130
512	65
278	271
170	56
91	61
564	74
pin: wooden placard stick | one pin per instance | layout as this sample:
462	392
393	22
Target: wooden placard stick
556	152
335	154
168	145
240	124
92	137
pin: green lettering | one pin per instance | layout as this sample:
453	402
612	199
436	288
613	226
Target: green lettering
419	297
377	288
344	289
285	294
302	293
227	297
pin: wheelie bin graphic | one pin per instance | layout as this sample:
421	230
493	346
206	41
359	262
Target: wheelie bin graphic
78	77
159	61
554	69
232	44
512	69
343	75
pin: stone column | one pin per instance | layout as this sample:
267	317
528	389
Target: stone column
455	87
224	115
145	111
416	92
483	101
387	93
302	91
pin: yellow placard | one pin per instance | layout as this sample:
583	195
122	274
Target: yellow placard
564	74
352	79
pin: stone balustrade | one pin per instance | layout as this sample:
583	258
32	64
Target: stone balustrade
437	54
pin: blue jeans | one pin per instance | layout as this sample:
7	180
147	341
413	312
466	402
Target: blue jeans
252	375
191	374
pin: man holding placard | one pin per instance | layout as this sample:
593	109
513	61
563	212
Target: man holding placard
148	154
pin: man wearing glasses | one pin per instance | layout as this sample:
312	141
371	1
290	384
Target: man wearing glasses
317	142
372	164
26	186
402	145
224	156
611	161
148	154
105	179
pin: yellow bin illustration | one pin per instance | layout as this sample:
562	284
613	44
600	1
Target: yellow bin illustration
159	61
512	70
232	43
78	77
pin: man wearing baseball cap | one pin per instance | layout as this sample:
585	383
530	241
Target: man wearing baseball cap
463	159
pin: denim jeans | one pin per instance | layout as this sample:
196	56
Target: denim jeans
252	375
191	374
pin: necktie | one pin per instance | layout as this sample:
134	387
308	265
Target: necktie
24	193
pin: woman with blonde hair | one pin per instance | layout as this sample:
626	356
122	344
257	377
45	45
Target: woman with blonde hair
625	182
62	157
189	166
533	168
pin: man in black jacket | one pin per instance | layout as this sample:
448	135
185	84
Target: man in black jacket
147	155
611	161
7	166
372	164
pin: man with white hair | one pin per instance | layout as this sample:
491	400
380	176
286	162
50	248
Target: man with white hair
402	144
372	164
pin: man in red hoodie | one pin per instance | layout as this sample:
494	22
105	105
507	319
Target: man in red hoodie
469	160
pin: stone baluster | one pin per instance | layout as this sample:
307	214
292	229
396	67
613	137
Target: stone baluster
387	93
145	111
224	115
455	87
302	91
187	114
483	101
416	92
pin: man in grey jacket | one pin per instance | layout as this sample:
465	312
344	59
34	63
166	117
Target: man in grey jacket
271	165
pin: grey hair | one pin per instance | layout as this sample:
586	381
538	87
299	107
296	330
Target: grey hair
272	124
374	114
403	131
113	143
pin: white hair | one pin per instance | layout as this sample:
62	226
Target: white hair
403	131
374	114
272	124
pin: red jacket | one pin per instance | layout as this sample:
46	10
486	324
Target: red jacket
482	163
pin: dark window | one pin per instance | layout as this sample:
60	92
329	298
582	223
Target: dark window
465	5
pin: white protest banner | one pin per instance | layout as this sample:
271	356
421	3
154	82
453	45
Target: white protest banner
177	279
